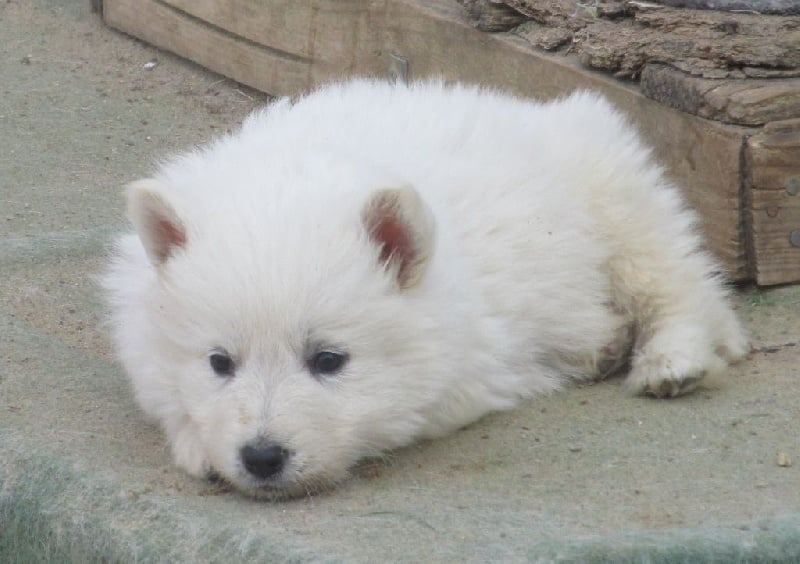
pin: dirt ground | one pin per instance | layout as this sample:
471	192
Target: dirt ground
63	68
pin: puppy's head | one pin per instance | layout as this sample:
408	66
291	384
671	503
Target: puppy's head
289	340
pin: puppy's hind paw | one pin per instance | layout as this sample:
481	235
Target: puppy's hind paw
670	376
675	361
668	388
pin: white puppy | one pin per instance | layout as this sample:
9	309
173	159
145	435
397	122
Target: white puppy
371	264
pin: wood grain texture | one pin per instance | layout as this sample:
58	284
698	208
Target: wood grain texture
704	43
220	50
745	102
623	37
773	202
492	15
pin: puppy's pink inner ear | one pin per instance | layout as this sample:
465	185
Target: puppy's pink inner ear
168	236
159	227
401	226
389	232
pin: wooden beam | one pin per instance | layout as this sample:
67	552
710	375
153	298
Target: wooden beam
773	202
745	102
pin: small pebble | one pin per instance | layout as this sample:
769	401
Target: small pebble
784	460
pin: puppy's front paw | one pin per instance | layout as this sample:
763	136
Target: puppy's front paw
188	451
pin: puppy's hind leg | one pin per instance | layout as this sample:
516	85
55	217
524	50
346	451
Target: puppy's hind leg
686	331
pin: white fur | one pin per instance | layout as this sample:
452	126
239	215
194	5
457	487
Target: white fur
541	233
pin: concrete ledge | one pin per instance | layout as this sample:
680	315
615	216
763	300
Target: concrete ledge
57	510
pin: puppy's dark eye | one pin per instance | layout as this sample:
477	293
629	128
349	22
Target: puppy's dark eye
327	362
222	363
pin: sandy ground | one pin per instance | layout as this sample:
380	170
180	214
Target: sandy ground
589	471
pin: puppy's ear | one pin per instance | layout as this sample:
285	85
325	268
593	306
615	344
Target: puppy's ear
403	227
159	227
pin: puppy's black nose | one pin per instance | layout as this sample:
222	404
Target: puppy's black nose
263	460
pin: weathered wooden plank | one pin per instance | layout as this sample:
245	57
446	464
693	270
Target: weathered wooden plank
773	202
492	15
739	101
285	47
708	43
776	160
254	64
335	35
286	26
